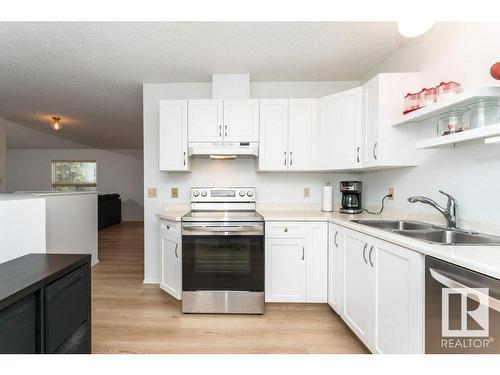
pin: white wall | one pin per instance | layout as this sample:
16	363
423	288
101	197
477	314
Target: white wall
463	53
271	187
3	157
118	171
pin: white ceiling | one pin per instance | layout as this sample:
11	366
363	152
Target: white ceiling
91	74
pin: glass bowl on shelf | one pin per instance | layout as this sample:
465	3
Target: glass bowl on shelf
450	123
482	113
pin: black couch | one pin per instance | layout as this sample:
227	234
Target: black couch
109	210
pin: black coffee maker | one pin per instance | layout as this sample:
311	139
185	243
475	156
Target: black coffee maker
351	197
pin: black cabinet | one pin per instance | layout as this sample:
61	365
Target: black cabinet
45	304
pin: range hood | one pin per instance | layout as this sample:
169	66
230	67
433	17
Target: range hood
223	149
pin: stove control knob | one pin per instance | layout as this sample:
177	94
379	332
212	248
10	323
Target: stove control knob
196	193
250	193
203	193
242	193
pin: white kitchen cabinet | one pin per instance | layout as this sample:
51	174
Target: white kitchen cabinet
285	270
205	120
296	261
303	134
171	258
173	136
356	284
317	263
241	120
273	135
341	117
334	268
383	293
397	299
383	100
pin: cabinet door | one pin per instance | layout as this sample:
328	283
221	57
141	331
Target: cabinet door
171	271
18	324
173	135
241	120
303	134
273	135
356	286
205	120
397	299
334	268
370	145
285	270
317	263
341	125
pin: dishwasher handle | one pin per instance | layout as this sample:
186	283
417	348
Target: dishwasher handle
493	303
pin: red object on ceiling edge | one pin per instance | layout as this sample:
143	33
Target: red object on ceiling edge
495	70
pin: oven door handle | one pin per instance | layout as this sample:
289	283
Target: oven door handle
224	229
493	303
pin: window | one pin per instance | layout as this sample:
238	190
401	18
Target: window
74	175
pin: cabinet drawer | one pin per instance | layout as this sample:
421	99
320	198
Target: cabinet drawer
285	229
170	228
67	303
18	327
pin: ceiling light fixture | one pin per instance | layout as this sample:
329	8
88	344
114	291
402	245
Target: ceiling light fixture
414	28
56	125
222	157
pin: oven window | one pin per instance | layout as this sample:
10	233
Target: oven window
223	263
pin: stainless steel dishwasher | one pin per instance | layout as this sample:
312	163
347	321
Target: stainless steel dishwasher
462	310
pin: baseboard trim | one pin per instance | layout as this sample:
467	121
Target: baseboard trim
151	281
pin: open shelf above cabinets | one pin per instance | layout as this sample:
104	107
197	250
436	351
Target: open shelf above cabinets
446	141
458	101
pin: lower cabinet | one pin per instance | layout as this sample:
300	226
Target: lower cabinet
334	268
382	287
171	258
296	262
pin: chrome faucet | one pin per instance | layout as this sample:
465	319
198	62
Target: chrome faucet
450	212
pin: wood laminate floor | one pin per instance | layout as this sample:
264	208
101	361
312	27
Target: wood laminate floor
130	317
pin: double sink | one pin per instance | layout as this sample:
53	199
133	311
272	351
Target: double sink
432	233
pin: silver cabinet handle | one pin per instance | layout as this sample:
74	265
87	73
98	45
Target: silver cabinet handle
184	157
364	253
225	130
220	130
291	157
285	158
357	154
303	252
375	148
493	303
285	230
335	238
370	256
176	244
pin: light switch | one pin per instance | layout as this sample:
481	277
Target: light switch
174	192
307	192
151	192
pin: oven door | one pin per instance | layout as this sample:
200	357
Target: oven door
223	257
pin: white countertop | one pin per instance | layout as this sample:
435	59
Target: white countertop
483	259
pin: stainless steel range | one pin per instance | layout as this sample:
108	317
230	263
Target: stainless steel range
223	252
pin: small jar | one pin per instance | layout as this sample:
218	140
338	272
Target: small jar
430	96
483	113
450	123
409	103
420	99
447	89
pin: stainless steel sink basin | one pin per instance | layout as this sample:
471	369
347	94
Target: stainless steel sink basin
452	237
431	233
394	224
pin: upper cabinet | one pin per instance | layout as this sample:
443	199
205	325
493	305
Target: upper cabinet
241	120
288	135
341	130
223	120
383	145
173	135
205	120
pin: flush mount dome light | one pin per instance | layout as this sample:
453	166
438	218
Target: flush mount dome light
56	125
222	157
414	28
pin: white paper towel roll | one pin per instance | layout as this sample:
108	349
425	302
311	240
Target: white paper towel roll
327	198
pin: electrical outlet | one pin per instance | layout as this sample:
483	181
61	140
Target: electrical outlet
174	192
391	192
152	192
307	192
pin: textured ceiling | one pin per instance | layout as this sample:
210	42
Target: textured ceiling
92	73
